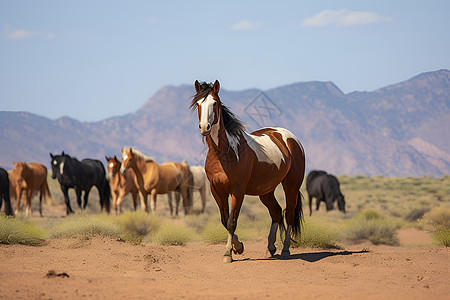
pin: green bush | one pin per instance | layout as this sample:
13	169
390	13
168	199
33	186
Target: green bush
371	226
214	233
438	221
316	234
173	234
14	231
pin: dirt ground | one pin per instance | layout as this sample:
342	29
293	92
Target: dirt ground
102	268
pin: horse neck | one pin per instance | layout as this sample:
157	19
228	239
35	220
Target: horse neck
221	148
145	171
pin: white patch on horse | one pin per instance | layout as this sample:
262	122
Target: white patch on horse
265	150
111	165
61	168
286	134
125	157
55	162
233	141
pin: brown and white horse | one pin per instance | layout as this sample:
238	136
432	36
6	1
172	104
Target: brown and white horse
35	177
153	178
239	163
121	184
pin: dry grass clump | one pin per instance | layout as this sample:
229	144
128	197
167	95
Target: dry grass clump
214	233
371	226
139	223
317	233
438	221
14	231
173	234
87	226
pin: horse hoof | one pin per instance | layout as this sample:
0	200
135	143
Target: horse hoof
285	254
270	254
227	259
239	249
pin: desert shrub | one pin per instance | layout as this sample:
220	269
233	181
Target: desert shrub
14	231
442	237
196	221
438	221
415	214
214	233
173	234
371	226
317	234
89	226
139	222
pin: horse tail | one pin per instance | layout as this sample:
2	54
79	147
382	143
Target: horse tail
189	182
47	193
298	216
107	195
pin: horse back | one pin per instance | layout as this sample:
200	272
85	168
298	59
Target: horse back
171	175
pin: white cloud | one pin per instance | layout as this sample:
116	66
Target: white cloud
246	25
344	18
19	34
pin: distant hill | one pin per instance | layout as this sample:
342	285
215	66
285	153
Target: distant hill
399	130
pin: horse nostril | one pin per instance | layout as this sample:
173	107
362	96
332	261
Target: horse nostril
208	127
199	126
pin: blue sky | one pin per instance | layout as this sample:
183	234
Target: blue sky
91	60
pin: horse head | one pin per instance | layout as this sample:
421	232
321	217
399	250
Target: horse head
128	159
57	162
19	167
341	203
113	166
206	101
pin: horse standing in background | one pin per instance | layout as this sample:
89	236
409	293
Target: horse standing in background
81	176
4	192
35	177
324	187
187	184
200	183
153	178
239	163
121	184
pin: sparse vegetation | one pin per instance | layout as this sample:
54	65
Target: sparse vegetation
371	226
15	231
139	222
438	221
317	233
173	234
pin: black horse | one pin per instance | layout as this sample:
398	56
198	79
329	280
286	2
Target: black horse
81	176
324	187
4	192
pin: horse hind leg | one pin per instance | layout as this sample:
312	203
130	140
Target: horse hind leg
294	215
275	212
169	200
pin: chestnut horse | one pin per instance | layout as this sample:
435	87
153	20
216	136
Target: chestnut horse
241	164
35	177
121	184
153	178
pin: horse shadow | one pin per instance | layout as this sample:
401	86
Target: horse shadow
309	257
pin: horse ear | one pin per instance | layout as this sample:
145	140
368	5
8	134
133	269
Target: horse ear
51	155
216	87
14	162
62	153
106	157
131	150
115	157
197	86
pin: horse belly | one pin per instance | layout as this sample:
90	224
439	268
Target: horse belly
265	180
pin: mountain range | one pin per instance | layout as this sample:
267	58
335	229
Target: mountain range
399	130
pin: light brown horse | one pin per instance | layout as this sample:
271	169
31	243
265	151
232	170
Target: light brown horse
239	163
35	177
121	184
153	178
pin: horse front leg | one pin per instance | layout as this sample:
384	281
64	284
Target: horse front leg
85	199
153	204
221	197
78	192
65	191
177	202
143	197
28	202
169	199
233	243
275	212
18	196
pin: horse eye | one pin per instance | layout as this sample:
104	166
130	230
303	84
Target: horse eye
214	103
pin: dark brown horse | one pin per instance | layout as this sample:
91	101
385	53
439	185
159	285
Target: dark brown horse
241	164
121	184
35	177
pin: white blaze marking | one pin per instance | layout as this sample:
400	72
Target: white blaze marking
207	115
61	168
55	162
125	157
111	165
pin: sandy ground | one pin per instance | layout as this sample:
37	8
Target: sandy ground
107	269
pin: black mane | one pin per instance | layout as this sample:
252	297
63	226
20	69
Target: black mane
233	125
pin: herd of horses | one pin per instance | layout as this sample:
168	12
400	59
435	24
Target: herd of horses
237	164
